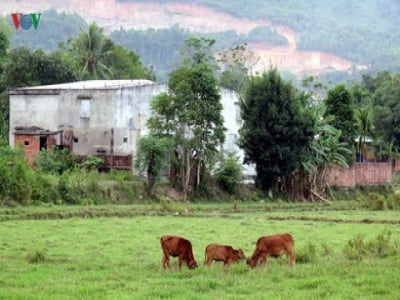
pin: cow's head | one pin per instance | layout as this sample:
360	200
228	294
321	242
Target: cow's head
240	254
251	262
192	264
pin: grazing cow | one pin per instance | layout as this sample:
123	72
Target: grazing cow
222	253
275	246
177	246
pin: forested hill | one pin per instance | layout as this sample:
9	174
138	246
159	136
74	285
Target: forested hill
304	37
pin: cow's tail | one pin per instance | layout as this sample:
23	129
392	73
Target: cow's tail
205	256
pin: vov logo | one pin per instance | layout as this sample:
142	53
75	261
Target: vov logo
26	21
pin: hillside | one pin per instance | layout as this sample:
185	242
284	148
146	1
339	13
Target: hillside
304	38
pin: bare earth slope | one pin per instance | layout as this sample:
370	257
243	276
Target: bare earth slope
114	15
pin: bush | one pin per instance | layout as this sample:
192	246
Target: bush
355	248
229	175
374	201
308	254
56	161
92	163
381	246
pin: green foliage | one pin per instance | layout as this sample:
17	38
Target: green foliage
229	174
57	161
25	67
92	163
340	105
307	254
152	156
276	130
355	248
191	114
381	246
375	201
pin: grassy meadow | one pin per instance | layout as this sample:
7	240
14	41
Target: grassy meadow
118	257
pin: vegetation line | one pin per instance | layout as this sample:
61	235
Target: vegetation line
93	213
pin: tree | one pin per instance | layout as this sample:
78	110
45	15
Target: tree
276	130
191	115
237	62
309	182
98	57
24	67
152	157
339	104
90	49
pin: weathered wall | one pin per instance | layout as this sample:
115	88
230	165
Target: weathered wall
233	122
33	110
361	174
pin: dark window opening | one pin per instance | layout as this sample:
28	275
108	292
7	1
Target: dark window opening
125	140
26	143
76	139
43	142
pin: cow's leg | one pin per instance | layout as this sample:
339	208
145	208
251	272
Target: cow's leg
208	261
227	262
165	262
292	260
264	257
180	263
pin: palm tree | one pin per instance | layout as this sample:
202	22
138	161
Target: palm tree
91	48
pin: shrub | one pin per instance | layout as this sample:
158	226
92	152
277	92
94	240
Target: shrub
355	248
56	161
229	175
374	201
92	163
381	246
308	254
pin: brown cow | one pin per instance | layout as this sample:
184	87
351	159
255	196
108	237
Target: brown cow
222	253
275	246
177	246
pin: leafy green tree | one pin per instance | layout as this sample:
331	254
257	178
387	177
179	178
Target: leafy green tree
309	182
387	110
152	156
24	67
191	115
339	104
125	64
276	130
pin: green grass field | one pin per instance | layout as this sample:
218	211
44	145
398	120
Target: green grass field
119	258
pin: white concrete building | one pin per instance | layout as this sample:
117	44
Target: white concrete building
97	117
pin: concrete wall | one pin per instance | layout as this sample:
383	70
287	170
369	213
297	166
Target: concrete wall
33	110
361	174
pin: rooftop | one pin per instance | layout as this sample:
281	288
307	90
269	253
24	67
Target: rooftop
79	85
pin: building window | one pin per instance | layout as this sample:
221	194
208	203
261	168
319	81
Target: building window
76	140
125	139
26	143
85	109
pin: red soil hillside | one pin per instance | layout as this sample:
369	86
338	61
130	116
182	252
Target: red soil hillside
114	15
